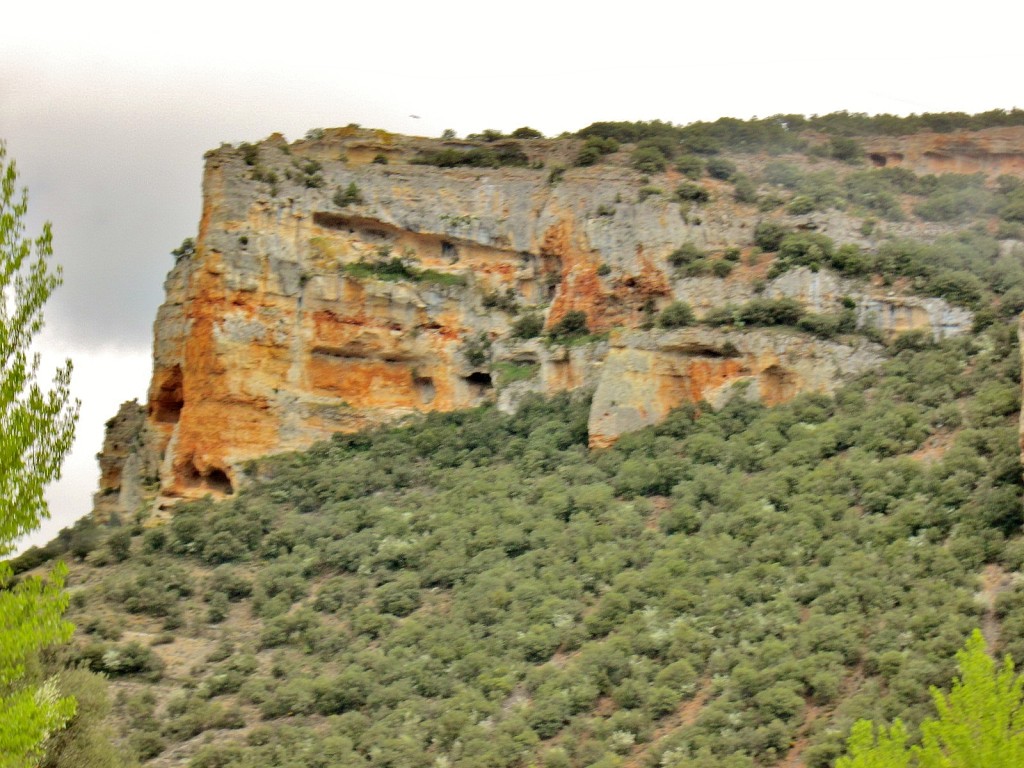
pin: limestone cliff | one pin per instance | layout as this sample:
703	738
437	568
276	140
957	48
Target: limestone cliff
129	470
336	285
992	151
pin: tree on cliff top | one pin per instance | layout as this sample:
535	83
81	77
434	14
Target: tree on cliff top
36	429
980	722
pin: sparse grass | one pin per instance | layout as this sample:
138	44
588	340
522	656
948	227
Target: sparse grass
511	372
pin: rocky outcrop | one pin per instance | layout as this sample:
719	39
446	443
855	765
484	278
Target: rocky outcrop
128	466
877	306
992	151
335	285
647	374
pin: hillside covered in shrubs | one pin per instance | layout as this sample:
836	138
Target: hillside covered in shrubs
731	588
481	590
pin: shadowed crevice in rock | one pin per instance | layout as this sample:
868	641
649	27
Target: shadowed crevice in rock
170	399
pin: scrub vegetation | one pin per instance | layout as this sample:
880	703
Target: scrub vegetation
483	590
731	588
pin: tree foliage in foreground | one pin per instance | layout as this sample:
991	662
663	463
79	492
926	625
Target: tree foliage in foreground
980	723
36	429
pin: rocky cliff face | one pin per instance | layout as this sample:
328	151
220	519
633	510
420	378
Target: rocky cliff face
331	291
992	151
129	472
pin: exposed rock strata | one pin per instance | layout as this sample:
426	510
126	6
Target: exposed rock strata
277	333
992	151
876	306
128	465
646	375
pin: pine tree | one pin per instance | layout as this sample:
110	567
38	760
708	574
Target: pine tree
980	722
886	749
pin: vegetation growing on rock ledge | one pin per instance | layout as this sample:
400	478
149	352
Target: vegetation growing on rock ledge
393	268
496	156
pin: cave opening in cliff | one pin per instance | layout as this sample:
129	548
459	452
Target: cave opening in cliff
215	479
479	382
449	251
166	406
879	161
218	480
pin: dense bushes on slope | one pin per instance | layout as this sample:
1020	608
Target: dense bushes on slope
483	590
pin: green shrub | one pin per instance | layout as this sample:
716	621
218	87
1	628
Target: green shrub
146	745
506	302
526	133
800	205
720	168
768	235
676	315
186	250
594	148
685	254
828	325
959	287
783	174
744	190
692	193
877	190
698	268
690	166
121	660
488	134
722	268
393	268
846	149
400	597
528	326
154	540
720	316
1013	210
803	249
496	156
648	160
250	153
573	323
770	312
349	196
309	173
950	205
85	537
587	156
119	544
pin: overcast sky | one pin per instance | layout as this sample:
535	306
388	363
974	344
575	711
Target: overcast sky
107	108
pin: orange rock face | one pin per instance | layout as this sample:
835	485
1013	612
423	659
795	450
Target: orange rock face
303	313
993	151
645	375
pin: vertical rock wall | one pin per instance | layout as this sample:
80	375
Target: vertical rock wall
303	312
